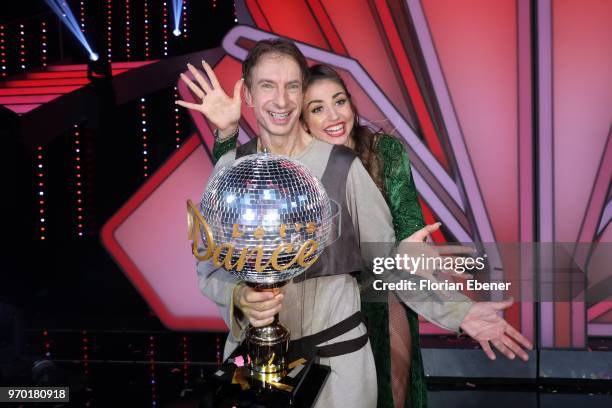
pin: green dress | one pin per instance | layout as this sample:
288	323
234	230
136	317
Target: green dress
403	203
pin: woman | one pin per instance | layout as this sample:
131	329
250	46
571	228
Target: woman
329	114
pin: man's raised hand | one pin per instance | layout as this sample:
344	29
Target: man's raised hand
221	110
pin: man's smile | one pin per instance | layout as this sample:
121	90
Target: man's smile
279	118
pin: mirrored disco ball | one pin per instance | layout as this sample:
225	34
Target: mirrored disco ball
264	200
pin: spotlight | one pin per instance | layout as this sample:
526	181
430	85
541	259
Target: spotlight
177	9
99	71
62	10
93	56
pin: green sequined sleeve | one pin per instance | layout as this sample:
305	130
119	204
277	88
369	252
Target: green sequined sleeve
399	185
223	146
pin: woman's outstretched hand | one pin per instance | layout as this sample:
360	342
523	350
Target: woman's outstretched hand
221	110
483	324
422	234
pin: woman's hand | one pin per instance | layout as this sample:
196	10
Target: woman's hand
422	234
483	324
416	246
222	111
259	306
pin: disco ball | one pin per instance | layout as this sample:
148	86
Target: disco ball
261	202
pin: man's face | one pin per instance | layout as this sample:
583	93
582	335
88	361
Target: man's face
276	93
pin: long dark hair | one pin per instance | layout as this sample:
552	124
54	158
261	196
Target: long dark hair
364	139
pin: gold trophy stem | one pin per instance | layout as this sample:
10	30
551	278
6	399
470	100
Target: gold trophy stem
267	348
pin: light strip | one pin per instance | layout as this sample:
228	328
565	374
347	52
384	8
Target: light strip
43	42
177	123
22	51
184	30
165	28
146	28
78	183
82	15
128	52
109	30
145	141
152	370
3	72
40	193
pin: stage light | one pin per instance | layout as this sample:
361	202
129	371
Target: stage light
177	9
94	57
62	10
99	71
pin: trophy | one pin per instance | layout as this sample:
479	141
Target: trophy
265	219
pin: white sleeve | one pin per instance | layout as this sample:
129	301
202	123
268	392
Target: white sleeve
217	284
373	222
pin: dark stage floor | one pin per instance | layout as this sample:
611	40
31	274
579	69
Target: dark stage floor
108	368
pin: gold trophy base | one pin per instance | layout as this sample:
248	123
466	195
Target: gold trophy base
267	348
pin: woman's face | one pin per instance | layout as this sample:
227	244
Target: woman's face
328	113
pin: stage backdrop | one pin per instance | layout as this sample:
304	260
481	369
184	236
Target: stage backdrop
504	106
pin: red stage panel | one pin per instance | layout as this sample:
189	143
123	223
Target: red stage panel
27	91
18	83
58	74
67	74
115	65
10	100
154	252
39	90
20	109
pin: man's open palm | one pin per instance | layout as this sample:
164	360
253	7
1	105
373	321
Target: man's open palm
221	110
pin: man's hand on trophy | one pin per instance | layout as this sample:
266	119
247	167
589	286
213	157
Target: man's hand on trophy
483	324
220	109
259	306
416	246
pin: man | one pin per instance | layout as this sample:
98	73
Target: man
274	74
